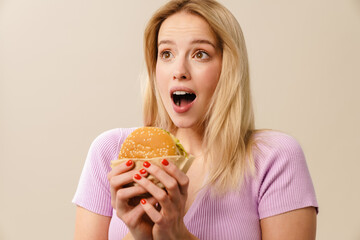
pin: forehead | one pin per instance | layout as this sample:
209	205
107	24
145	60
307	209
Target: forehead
185	26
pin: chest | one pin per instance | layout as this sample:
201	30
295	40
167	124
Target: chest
196	175
230	217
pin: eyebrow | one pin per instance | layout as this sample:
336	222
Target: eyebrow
201	41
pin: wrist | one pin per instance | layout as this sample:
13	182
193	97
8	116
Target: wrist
135	236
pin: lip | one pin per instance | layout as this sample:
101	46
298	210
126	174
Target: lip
177	108
180	88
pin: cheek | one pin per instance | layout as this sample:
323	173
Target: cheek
210	78
161	77
161	73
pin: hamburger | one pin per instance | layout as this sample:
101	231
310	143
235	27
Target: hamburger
153	144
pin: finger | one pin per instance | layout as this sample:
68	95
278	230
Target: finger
124	167
122	179
143	172
175	172
168	181
119	181
158	193
150	210
132	217
130	192
124	195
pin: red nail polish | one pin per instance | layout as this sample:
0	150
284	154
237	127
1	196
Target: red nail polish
137	176
143	201
129	163
146	164
165	162
142	171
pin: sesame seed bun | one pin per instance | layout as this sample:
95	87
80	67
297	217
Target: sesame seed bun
148	142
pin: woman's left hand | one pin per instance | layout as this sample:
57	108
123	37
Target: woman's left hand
168	222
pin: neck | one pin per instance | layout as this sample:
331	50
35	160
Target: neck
191	139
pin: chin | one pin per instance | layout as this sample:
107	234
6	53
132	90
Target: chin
189	119
184	123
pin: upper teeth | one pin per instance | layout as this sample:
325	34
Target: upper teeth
180	92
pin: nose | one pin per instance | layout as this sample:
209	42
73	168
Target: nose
181	71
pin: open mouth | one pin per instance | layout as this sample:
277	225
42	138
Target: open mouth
182	98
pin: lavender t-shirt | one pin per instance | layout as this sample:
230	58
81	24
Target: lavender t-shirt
282	183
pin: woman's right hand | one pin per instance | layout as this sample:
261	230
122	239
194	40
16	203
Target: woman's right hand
122	200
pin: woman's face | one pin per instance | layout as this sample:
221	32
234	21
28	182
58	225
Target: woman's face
188	67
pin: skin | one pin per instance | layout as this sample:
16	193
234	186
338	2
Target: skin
295	225
196	65
188	56
89	225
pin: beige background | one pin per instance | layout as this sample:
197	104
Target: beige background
69	70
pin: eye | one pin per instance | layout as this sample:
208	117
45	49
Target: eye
166	55
202	55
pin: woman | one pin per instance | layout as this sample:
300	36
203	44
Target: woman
243	184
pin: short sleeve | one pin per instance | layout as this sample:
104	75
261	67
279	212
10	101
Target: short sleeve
284	181
93	191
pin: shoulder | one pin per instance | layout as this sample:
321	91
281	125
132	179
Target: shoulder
93	192
113	136
270	145
110	141
270	139
278	156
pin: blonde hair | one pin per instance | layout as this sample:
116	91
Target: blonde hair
229	122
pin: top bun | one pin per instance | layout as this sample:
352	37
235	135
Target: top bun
149	142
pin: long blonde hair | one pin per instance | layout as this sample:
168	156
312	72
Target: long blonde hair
229	122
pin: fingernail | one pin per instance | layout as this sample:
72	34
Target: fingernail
146	164
143	201
137	176
142	171
129	163
165	162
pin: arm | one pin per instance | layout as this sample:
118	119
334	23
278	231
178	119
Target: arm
90	226
299	224
287	201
